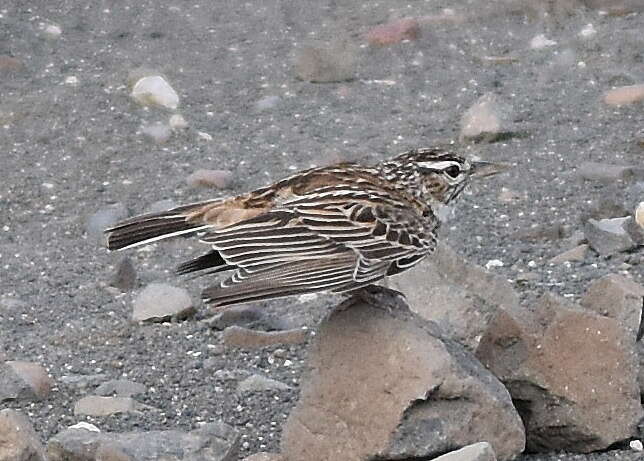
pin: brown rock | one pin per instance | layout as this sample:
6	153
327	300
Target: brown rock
32	380
458	295
616	297
18	440
384	386
94	405
218	179
625	95
9	64
394	32
486	120
574	254
253	339
572	375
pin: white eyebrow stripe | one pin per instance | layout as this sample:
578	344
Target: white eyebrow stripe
438	165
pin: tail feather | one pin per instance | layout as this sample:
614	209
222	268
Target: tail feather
211	260
147	228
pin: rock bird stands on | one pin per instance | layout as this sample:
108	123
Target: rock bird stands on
336	228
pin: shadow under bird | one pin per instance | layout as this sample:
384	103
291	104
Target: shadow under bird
336	228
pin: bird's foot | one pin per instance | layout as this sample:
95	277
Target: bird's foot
376	296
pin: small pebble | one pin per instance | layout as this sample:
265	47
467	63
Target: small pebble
155	90
394	32
624	95
493	263
267	103
588	31
177	122
52	32
636	445
158	132
219	179
72	80
541	41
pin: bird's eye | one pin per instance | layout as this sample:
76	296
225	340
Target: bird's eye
453	171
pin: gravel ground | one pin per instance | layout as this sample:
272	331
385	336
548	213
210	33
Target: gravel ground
69	150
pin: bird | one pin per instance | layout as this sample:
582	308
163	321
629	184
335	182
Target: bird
337	228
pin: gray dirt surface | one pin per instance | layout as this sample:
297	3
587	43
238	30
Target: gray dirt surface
67	151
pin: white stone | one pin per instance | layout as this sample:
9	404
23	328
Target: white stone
71	80
159	301
177	122
636	445
493	263
85	426
154	90
541	41
204	136
639	215
52	31
588	31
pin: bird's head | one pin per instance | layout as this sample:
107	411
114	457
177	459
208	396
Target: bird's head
438	174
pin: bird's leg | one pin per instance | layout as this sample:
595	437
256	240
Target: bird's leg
376	296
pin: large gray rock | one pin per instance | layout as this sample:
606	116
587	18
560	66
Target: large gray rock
457	294
572	374
385	386
18	440
211	442
158	302
609	236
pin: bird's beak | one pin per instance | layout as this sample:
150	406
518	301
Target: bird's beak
485	169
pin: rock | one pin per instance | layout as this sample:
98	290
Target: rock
83	382
616	297
639	215
52	32
18	440
487	120
588	31
161	205
572	375
10	65
121	388
157	132
159	302
94	405
125	277
384	386
219	179
155	90
624	95
24	381
540	232
457	294
237	315
481	451
259	383
609	236
394	32
177	122
267	103
104	218
264	457
540	41
253	339
604	172
212	441
574	254
325	63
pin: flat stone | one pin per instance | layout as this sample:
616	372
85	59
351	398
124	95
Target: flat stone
384	386
259	383
481	451
154	90
94	405
236	315
394	32
219	179
10	65
253	339
104	218
455	293
18	440
325	63
486	120
624	95
24	381
616	297
571	373
213	441
264	457
609	236
574	254
159	302
604	172
121	388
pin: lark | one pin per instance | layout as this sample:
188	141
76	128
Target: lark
337	228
